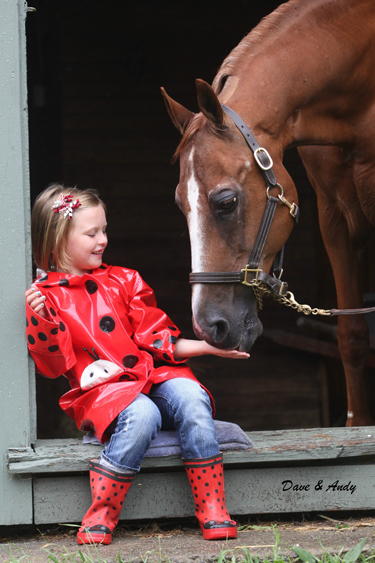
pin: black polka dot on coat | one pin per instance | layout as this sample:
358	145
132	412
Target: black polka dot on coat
64	281
172	328
27	323
34	321
172	339
125	377
42	336
130	361
54	330
91	286
157	343
62	327
43	278
107	324
53	312
102	267
31	339
53	348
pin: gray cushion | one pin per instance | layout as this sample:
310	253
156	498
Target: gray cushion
229	435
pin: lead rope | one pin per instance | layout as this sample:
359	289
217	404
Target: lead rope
260	289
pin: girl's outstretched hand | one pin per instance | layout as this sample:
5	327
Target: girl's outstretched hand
188	348
36	300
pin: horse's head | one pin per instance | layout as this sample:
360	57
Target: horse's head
223	196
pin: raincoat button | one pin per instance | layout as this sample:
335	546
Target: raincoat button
107	324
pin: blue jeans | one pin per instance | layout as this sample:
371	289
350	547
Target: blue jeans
178	403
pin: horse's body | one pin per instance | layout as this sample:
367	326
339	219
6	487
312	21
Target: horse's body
304	77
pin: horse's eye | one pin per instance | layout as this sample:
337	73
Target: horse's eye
228	203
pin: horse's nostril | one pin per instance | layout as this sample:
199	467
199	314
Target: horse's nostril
220	331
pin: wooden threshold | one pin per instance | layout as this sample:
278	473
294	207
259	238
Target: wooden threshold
307	470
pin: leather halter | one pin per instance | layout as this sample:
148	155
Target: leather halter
252	270
251	275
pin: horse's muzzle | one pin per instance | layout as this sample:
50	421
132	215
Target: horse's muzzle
226	333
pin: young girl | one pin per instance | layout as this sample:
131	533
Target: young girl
99	326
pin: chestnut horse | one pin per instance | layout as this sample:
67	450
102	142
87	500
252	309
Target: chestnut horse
305	77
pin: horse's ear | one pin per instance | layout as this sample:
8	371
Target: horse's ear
180	116
209	103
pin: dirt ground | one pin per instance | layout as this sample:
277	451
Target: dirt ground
181	542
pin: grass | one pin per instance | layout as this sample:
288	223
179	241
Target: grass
239	554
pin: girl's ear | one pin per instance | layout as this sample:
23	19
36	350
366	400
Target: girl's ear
209	103
180	116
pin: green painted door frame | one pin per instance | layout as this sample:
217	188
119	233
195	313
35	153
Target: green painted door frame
17	385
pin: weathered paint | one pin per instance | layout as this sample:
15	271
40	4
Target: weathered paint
248	491
285	471
16	389
328	445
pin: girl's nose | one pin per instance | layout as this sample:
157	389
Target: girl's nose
103	239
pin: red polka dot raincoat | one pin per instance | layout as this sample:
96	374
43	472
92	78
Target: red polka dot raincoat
106	335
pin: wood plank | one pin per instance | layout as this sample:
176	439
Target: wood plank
53	456
248	491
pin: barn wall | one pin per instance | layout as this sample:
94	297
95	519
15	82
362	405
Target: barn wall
107	128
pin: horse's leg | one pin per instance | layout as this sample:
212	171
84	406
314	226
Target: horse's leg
342	224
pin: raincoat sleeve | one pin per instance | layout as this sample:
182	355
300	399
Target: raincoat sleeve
49	343
153	329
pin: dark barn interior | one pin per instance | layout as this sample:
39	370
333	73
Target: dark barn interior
97	119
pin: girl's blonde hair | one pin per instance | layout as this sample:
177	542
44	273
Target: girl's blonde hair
49	230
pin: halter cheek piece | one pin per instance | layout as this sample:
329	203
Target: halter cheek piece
252	275
252	272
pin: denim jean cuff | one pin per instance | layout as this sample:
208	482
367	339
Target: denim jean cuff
115	466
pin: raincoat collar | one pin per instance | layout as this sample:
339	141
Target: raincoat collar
51	279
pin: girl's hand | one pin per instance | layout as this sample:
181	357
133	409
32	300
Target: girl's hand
235	354
188	348
36	300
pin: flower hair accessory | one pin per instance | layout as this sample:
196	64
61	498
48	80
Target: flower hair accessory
65	204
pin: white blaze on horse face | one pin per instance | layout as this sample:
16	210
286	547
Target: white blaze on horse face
195	228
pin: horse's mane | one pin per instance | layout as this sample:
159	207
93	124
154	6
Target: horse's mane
268	27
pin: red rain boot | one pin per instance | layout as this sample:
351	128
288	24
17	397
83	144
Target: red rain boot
108	491
206	478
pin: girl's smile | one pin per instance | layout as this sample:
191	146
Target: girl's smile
87	240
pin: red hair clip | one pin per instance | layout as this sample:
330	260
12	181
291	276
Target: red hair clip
65	204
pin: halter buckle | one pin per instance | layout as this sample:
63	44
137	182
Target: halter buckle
246	270
261	150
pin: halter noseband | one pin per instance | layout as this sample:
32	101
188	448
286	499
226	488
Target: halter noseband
252	272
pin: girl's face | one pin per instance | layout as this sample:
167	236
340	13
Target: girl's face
87	239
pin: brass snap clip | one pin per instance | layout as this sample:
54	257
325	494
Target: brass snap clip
293	208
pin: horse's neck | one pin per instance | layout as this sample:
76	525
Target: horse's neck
307	83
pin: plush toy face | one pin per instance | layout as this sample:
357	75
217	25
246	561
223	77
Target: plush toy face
98	372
